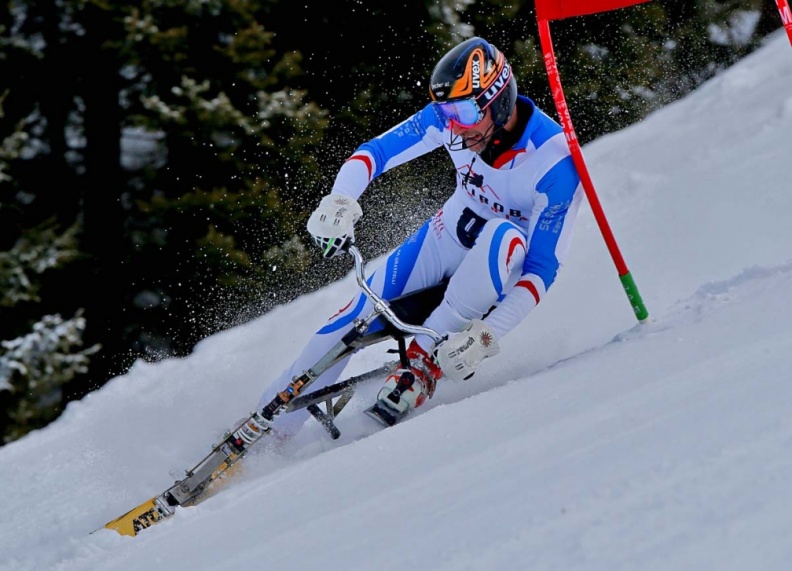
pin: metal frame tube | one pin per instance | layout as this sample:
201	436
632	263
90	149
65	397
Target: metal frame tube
381	306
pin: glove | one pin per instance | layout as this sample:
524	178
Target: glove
460	354
332	224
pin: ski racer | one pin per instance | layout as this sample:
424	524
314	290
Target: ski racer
500	238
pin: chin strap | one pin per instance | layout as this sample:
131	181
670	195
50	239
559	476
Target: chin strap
457	143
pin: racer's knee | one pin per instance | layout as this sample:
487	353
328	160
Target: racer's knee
503	247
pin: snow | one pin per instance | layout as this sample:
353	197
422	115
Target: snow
591	443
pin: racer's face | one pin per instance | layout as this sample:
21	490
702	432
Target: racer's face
477	135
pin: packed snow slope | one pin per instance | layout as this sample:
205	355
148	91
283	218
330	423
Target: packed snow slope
590	443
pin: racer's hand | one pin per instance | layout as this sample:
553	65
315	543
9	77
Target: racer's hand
460	354
332	224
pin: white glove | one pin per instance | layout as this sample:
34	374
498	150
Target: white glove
333	223
460	354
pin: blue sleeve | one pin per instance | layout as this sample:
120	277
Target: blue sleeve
418	135
559	186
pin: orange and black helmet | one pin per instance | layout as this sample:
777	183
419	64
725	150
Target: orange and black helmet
476	70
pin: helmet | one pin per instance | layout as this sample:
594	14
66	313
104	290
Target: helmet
477	71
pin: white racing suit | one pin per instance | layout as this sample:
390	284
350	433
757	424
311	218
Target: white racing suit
500	237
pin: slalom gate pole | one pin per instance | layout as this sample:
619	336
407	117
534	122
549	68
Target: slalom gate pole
628	283
786	16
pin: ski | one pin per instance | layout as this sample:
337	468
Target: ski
215	465
236	443
224	455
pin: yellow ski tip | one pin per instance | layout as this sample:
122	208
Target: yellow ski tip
137	519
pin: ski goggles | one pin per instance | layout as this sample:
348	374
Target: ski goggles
465	112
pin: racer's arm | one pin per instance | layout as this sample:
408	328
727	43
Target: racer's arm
332	223
416	136
553	216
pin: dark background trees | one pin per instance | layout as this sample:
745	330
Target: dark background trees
158	161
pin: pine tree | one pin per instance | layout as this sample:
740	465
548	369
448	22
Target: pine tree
36	364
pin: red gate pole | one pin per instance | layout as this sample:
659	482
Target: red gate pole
561	9
786	16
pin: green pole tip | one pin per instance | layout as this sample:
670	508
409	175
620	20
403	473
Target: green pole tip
628	283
